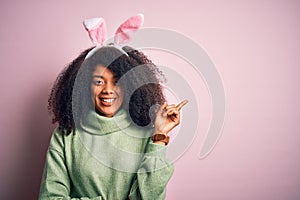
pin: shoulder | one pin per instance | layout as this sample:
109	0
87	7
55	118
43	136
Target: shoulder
58	139
138	131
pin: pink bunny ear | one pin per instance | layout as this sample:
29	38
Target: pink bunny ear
96	28
126	29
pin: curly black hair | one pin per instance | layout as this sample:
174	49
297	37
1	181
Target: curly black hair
139	78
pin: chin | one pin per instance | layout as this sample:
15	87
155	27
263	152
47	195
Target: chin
105	112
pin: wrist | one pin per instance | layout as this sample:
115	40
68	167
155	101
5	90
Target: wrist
160	132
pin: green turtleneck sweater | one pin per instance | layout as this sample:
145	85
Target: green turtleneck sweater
106	159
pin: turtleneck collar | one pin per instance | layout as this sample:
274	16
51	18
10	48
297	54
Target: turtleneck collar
100	125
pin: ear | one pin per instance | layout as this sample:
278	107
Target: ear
125	31
96	27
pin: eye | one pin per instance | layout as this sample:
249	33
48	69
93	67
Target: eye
98	82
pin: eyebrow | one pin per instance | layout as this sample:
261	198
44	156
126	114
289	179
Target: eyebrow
99	76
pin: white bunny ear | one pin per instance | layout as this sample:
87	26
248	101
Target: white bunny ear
96	28
126	29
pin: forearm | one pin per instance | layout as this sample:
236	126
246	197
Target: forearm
153	175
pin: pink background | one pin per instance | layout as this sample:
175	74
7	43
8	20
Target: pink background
254	45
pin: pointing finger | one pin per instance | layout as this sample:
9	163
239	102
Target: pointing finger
181	104
170	106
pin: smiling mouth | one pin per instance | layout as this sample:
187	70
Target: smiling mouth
107	101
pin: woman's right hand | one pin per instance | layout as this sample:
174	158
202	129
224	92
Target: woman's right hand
167	117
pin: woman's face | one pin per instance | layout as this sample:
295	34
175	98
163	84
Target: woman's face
106	94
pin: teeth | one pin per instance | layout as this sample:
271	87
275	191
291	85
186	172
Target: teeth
108	100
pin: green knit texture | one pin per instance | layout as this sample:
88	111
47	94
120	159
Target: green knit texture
106	159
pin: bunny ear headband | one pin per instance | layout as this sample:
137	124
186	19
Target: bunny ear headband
96	28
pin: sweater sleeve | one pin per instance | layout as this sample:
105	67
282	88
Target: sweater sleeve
153	175
56	184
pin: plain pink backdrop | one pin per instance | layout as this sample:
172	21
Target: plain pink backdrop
254	45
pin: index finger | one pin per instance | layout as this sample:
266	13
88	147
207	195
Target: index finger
181	104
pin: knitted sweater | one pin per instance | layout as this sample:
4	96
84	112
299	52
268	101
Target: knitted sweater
106	159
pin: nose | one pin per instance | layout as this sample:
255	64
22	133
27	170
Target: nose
108	88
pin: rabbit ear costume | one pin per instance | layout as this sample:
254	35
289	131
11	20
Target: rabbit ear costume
96	28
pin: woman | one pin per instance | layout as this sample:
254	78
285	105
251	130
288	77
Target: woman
111	137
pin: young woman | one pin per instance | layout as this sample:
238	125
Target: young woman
111	137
